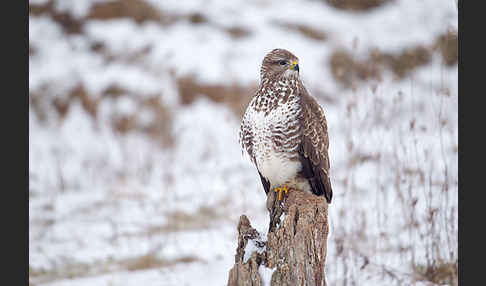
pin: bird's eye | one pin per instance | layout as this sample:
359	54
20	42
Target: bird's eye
282	63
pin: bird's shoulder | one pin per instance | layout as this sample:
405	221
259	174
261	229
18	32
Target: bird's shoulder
314	124
313	111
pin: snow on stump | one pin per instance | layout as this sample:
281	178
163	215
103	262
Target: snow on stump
293	252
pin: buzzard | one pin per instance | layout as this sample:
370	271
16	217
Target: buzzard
284	130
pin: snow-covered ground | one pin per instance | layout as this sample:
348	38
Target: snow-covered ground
108	207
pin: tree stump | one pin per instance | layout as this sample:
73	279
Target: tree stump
293	252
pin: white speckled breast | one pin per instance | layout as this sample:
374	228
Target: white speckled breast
275	133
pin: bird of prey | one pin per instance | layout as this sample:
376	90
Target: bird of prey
284	130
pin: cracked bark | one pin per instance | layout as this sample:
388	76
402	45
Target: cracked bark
296	244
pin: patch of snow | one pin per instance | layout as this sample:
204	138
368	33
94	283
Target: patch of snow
257	244
266	274
126	106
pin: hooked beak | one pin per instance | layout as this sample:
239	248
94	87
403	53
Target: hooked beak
294	66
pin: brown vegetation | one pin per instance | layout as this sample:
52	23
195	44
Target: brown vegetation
78	270
401	64
41	102
159	128
305	30
150	260
235	96
350	71
448	47
197	18
237	32
138	10
443	273
70	24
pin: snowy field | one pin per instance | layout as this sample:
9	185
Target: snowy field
136	176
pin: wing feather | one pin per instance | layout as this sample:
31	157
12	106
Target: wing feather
314	146
246	137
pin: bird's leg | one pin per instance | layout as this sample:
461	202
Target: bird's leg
280	190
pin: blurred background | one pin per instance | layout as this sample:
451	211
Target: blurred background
136	176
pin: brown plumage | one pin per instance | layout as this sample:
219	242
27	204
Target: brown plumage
284	130
314	145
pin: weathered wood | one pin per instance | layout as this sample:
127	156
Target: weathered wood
296	244
245	273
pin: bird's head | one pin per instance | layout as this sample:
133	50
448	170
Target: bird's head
279	63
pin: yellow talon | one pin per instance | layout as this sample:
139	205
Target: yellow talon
279	190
